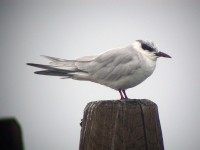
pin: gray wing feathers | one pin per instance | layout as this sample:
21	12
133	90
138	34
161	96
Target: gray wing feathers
53	59
52	73
61	67
108	66
51	67
113	64
73	65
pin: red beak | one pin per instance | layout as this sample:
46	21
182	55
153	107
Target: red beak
161	54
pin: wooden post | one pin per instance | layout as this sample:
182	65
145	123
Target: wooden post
121	125
10	134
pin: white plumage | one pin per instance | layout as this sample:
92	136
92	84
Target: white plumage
119	68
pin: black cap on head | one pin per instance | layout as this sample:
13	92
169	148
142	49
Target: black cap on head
148	46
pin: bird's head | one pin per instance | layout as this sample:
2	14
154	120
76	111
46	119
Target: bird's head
149	49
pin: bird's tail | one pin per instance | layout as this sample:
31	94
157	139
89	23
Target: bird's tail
49	70
57	67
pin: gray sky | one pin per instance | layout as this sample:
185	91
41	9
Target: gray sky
50	109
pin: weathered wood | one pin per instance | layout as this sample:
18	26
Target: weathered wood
121	125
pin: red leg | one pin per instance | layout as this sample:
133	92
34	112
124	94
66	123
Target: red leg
120	91
125	94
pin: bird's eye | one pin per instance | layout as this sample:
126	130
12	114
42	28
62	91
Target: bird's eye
147	47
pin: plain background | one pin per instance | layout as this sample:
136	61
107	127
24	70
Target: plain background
50	109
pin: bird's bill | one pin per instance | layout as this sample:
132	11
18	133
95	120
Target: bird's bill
161	54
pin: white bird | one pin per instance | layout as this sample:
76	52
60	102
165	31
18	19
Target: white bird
119	68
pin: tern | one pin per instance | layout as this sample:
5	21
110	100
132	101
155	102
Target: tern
118	68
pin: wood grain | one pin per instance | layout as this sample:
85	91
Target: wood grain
121	125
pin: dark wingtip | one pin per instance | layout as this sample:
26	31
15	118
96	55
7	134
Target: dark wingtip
31	64
37	65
